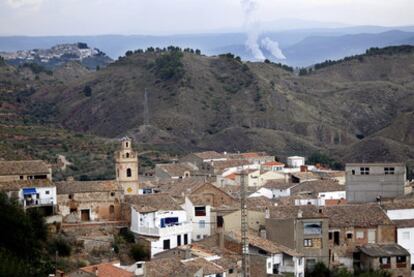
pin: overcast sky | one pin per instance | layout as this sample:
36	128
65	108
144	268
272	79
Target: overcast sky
87	17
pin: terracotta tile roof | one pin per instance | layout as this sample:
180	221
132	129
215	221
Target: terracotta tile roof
303	176
23	167
383	250
293	212
264	244
67	187
107	270
220	166
209	268
166	267
210	155
17	185
398	204
278	184
356	215
404	223
274	164
317	186
259	203
174	170
330	173
153	202
180	188
173	266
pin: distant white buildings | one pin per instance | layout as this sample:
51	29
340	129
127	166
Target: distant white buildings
295	161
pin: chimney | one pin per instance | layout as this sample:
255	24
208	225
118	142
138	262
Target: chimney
300	213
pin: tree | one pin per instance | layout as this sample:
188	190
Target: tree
139	253
303	72
198	52
128	53
23	241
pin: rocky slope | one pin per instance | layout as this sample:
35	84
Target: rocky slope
360	109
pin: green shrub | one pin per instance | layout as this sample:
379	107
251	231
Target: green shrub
138	252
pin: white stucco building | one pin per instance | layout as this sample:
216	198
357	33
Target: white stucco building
402	214
295	161
159	219
199	214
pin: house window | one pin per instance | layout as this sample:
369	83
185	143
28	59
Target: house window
47	192
307	242
200	211
360	234
112	194
220	221
389	170
401	261
129	172
70	196
111	209
330	236
185	239
364	170
202	224
406	235
178	240
349	235
166	244
231	270
21	177
385	262
127	155
336	237
126	144
314	228
198	236
353	171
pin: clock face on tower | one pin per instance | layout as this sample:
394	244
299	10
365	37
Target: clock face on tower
129	189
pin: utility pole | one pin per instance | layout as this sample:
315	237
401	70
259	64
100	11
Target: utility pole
244	227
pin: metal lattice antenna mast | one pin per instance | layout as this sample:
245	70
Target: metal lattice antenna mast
244	227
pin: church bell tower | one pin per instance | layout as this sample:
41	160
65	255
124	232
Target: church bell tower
126	165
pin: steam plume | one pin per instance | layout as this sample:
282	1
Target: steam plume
253	32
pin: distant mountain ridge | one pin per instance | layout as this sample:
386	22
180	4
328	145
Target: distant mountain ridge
59	55
302	47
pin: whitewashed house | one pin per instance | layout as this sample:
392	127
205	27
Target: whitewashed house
402	214
159	220
31	193
274	189
295	161
279	259
199	214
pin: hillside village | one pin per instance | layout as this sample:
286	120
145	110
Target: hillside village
186	217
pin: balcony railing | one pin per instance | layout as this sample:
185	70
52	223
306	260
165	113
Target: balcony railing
37	202
178	228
